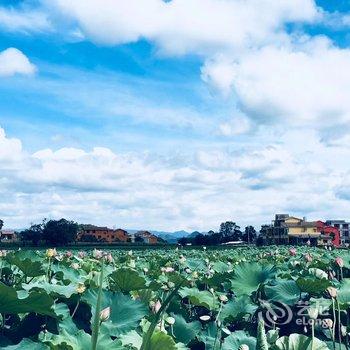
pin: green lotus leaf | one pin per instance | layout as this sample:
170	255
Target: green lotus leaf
12	302
126	280
27	344
29	267
185	331
125	312
249	276
52	289
313	286
344	292
199	298
132	338
238	308
161	341
238	338
299	342
283	291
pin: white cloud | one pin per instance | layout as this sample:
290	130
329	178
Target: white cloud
13	61
143	190
23	20
182	26
309	83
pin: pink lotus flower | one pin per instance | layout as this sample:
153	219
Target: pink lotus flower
339	261
81	255
292	251
69	254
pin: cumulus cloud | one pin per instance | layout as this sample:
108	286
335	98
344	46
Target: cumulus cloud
23	20
14	61
299	85
143	190
186	26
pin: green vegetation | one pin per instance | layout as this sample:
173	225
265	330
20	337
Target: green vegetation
241	299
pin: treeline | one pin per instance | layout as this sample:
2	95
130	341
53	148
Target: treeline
229	232
51	232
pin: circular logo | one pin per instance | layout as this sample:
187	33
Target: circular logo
276	314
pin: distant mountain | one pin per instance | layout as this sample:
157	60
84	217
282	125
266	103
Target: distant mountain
170	237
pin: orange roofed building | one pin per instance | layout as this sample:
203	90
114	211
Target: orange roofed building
101	234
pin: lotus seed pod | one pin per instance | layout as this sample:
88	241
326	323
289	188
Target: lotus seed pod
205	318
50	253
170	320
81	288
223	298
244	347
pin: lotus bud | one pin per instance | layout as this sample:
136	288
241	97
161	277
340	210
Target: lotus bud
205	318
211	290
69	254
80	288
292	251
204	248
308	257
195	274
132	264
313	313
170	320
81	255
339	261
51	253
223	298
145	269
104	314
332	292
130	252
157	306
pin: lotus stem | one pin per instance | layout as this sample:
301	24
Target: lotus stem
334	322
339	324
96	324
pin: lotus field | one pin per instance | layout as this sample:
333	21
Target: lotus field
163	299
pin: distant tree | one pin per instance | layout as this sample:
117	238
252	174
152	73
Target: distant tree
1	224
60	232
249	234
183	241
33	234
229	230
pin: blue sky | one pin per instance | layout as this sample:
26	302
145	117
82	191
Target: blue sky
173	115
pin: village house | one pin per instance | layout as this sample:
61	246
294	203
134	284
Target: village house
8	236
287	229
101	234
147	237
